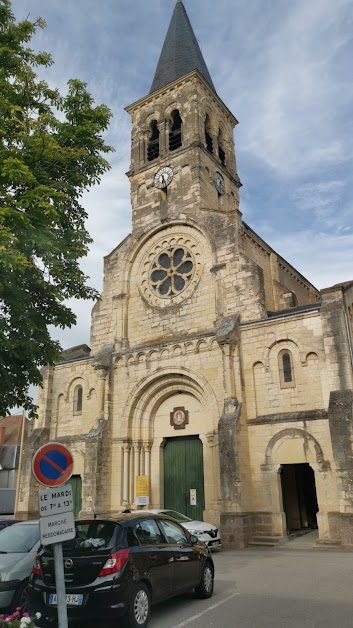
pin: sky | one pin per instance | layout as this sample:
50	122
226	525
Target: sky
284	69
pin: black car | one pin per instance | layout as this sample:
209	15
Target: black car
121	567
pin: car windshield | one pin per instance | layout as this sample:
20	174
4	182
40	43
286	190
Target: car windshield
96	535
19	538
176	515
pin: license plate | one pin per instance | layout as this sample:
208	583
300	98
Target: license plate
71	599
215	543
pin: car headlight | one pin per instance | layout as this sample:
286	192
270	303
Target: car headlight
196	532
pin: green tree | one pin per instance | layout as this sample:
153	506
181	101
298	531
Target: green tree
51	151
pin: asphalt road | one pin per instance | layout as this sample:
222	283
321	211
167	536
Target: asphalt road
265	587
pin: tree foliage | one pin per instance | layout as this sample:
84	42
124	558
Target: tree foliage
51	151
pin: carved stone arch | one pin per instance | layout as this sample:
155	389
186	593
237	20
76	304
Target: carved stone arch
272	352
72	381
302	349
163	383
202	345
283	341
211	117
171	107
293	433
135	246
130	360
91	392
156	114
311	354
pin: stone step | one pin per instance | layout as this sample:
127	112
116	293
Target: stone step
266	541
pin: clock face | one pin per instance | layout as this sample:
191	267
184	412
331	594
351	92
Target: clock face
219	183
163	177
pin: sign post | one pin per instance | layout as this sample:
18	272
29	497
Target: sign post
52	466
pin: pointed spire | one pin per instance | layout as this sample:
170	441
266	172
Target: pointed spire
180	53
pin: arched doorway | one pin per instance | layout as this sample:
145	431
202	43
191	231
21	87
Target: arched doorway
184	477
299	496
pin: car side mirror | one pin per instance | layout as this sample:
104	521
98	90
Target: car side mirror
193	539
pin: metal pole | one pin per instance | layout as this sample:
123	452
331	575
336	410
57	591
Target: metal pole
60	585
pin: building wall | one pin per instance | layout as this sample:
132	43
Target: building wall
215	349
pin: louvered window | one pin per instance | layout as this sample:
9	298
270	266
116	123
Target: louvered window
221	152
175	132
222	156
153	143
208	136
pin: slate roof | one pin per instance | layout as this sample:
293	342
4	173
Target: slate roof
180	53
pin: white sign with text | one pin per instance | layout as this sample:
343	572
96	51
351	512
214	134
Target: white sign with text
57	528
54	501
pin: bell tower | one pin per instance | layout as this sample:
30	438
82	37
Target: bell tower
182	150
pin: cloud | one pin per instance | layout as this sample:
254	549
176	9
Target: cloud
283	68
320	198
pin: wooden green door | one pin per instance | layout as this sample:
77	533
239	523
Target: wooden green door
76	483
183	470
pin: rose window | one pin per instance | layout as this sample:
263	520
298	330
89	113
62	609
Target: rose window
172	271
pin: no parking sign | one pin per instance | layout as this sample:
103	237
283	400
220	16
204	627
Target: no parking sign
52	464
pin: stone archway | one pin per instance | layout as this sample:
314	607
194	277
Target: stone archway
148	426
292	452
306	454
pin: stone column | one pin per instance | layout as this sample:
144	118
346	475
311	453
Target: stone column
122	305
126	459
162	128
102	375
137	448
147	457
226	336
101	364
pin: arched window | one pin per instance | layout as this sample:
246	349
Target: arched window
175	131
78	394
221	152
286	369
153	142
208	136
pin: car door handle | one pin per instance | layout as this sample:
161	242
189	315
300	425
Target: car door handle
182	559
152	557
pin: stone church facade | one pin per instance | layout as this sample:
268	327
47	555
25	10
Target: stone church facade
213	366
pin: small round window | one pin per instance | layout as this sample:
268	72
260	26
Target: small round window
172	271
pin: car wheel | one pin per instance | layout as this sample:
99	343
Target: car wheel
20	599
205	588
139	610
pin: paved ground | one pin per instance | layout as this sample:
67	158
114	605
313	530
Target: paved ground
294	586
